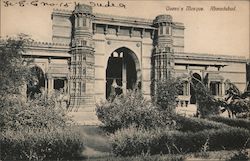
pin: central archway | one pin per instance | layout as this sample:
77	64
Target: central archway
122	72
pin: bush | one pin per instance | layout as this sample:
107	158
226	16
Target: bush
243	123
131	109
131	141
33	144
41	112
207	104
38	129
166	94
31	129
195	124
241	155
145	157
13	71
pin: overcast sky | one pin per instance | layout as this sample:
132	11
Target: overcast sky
207	31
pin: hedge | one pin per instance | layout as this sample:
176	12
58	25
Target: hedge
131	109
40	144
235	122
132	141
192	124
144	157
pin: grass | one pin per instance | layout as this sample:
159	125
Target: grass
99	149
96	141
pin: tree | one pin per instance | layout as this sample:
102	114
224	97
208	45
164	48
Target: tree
13	70
167	93
235	101
206	103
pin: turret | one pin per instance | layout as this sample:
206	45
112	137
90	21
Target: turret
82	58
163	53
82	25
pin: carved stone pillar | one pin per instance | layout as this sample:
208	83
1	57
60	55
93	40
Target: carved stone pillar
124	76
50	84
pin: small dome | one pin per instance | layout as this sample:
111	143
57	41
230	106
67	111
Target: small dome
163	18
83	8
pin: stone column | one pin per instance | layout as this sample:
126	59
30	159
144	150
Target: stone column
46	86
65	86
124	76
50	85
218	89
222	88
188	88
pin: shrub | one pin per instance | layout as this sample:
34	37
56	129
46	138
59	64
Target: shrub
243	123
131	109
133	141
31	129
229	138
34	144
207	104
38	129
241	155
145	157
166	94
196	124
13	70
41	112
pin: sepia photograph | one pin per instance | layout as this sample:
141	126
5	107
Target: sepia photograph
125	80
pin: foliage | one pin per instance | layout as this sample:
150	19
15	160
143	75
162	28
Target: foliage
241	155
143	157
167	92
42	112
38	129
235	102
31	129
13	70
131	109
132	141
195	124
40	144
242	123
207	104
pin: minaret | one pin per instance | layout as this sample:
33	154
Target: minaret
82	58
163	61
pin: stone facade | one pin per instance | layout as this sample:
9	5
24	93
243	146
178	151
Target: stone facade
93	53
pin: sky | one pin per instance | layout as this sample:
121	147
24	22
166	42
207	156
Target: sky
206	30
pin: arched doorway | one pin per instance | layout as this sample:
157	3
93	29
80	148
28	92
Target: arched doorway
122	72
36	82
194	80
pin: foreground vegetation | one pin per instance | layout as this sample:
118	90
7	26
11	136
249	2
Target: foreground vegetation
36	128
139	127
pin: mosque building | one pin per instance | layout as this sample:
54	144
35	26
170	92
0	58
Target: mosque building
92	53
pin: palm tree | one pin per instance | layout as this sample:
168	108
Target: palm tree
235	101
